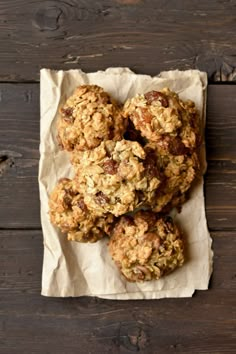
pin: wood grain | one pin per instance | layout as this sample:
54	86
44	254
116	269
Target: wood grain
148	36
19	155
203	324
19	152
221	123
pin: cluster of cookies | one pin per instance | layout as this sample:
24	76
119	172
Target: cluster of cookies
132	164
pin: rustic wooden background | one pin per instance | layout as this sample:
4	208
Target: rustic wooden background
148	36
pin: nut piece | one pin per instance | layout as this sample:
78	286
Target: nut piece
113	175
89	117
145	247
161	116
69	212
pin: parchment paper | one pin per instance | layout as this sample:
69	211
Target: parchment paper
74	269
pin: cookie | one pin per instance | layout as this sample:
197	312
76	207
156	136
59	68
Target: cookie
89	117
68	211
163	118
178	173
145	247
115	177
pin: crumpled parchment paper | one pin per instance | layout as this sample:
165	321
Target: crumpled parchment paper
74	269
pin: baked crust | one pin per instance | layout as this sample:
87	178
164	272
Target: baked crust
68	211
89	117
178	173
163	118
145	247
115	177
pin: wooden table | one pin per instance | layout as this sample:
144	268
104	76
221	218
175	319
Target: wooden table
148	36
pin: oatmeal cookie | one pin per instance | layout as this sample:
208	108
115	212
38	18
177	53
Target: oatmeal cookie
89	117
145	247
114	176
178	173
70	214
162	117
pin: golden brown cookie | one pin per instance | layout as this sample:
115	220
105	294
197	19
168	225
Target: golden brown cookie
70	214
178	174
145	247
115	177
89	117
163	118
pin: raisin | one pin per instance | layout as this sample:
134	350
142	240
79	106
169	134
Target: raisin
150	164
67	201
129	221
193	119
174	145
71	192
67	114
111	133
81	204
150	218
110	167
102	198
177	147
151	170
157	96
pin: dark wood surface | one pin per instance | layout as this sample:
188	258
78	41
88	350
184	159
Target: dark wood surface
148	36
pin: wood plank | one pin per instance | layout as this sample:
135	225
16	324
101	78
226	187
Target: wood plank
19	144
32	323
220	194
148	36
19	153
221	123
